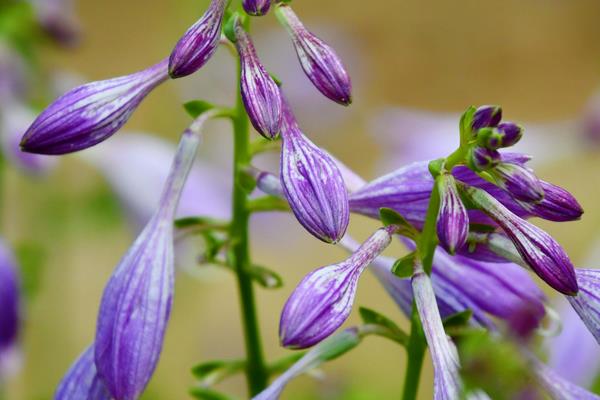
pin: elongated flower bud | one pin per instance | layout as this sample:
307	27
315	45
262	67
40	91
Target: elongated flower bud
260	93
322	301
538	249
137	300
256	7
587	302
312	184
519	181
90	114
486	116
482	159
199	43
82	381
318	60
453	220
328	349
510	133
557	205
10	312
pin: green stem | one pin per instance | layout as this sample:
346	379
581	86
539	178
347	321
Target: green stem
256	371
416	353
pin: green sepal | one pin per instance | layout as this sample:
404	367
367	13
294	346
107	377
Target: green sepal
228	27
208	394
436	167
390	329
404	267
466	125
391	217
268	203
246	181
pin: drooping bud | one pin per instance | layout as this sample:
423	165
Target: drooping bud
327	350
453	220
90	114
482	159
256	7
486	116
137	300
260	93
10	313
312	184
318	60
538	249
82	381
322	301
519	181
199	43
587	302
557	205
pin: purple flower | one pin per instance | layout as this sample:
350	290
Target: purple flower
482	159
453	220
510	133
318	60
587	300
256	7
10	312
557	205
199	43
312	184
538	249
322	301
260	93
519	181
82	381
91	113
486	116
137	300
557	387
57	18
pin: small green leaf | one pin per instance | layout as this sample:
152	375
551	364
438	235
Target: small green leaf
436	166
199	223
246	181
212	372
391	217
404	267
195	108
393	331
458	320
466	122
265	277
208	394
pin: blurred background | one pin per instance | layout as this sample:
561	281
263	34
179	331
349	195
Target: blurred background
415	66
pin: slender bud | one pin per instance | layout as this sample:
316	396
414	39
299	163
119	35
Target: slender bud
519	181
511	133
318	60
199	43
323	300
256	7
453	220
82	381
557	205
538	249
482	159
587	302
486	116
312	184
260	93
90	114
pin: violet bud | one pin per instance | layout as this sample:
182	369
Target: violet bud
510	132
486	116
256	7
453	220
482	159
557	387
260	93
318	60
82	381
322	301
91	113
587	302
10	312
538	249
557	205
519	181
199	43
137	300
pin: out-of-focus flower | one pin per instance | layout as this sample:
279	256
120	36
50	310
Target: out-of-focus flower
319	61
57	18
557	387
322	301
312	184
260	93
90	114
256	7
137	300
199	43
520	182
13	80
453	220
587	300
82	381
10	313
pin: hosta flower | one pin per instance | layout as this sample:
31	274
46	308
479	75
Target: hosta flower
82	381
260	93
453	220
519	181
486	116
256	7
538	249
199	43
587	300
10	312
137	300
322	301
557	205
312	184
57	18
318	60
91	113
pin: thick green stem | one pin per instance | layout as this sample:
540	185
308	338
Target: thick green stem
416	353
256	371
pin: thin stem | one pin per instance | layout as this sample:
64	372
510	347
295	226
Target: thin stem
416	353
256	371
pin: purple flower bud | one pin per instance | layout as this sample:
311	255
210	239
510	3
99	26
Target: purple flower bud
91	113
81	381
312	184
453	220
137	300
319	61
256	7
557	205
538	249
482	159
58	20
199	43
520	182
10	310
260	93
486	116
511	133
587	301
322	301
557	387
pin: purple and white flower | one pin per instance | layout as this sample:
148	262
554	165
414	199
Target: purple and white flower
486	116
82	381
453	220
557	387
256	7
587	300
519	181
